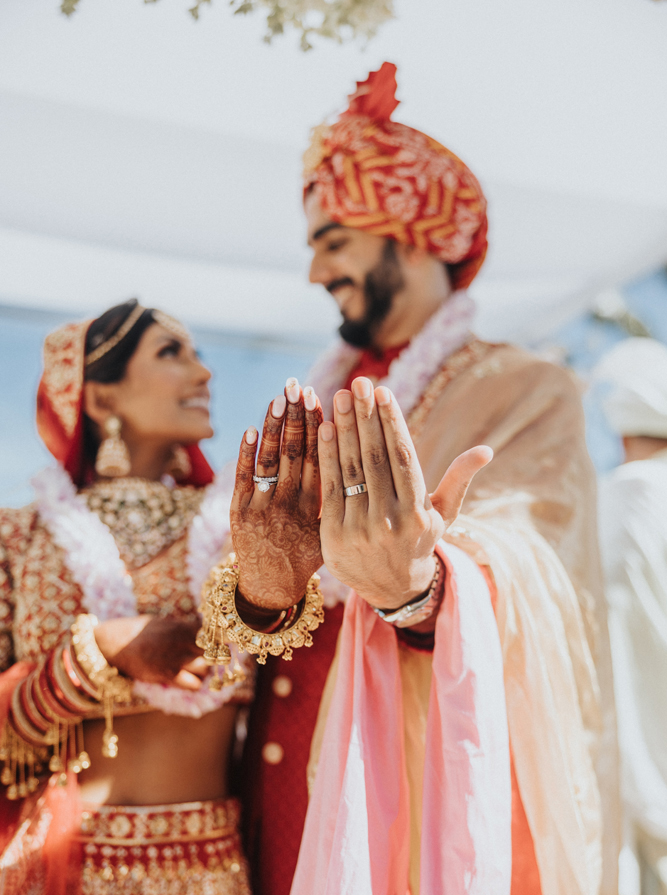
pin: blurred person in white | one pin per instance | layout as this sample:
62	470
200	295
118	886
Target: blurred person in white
633	540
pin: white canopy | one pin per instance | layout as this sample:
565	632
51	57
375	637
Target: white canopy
143	153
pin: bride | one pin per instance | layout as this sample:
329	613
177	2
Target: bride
114	726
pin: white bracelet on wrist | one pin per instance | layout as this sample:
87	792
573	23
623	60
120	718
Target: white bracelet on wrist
418	611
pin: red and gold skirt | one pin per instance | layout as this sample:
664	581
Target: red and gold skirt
180	849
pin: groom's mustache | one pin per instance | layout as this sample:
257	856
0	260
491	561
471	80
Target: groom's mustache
336	284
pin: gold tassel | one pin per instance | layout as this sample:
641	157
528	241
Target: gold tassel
211	636
6	777
109	738
56	762
21	760
12	789
84	758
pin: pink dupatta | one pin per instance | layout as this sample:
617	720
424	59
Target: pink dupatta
356	837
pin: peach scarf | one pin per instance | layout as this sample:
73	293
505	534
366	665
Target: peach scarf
356	837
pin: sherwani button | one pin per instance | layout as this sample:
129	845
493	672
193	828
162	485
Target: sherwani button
282	685
272	753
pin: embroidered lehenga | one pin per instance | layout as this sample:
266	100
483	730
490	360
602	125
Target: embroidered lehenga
119	549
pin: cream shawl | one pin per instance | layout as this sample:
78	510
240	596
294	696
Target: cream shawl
533	521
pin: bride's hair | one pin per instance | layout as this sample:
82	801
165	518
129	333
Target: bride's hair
111	367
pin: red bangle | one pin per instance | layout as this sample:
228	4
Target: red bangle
52	696
258	617
58	682
56	689
38	696
279	623
29	706
68	665
21	724
75	698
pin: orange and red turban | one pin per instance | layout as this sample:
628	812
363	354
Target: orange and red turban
388	179
60	415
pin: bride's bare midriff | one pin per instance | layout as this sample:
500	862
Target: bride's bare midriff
161	759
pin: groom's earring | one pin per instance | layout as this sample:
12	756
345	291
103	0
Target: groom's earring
113	457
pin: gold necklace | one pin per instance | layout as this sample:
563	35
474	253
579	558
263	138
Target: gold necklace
466	356
144	517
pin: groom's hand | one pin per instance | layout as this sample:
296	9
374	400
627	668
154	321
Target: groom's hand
381	542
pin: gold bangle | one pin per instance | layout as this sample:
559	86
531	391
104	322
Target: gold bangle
104	677
111	686
222	624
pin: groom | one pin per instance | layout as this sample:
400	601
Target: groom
397	227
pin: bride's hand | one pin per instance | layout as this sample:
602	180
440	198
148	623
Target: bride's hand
276	532
153	649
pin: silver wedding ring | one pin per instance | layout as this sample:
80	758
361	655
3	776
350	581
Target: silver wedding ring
356	489
264	482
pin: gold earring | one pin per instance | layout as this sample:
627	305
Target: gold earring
113	457
180	465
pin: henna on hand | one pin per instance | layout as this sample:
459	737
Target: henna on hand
278	550
276	534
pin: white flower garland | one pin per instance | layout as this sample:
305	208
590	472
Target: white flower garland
95	563
92	554
209	529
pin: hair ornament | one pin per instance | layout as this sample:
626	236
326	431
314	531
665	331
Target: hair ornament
116	338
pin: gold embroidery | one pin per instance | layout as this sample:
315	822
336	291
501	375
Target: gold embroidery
43	598
160	849
135	862
63	372
146	824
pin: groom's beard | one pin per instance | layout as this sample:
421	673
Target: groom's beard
380	286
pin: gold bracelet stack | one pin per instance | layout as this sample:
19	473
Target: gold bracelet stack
222	624
47	710
104	681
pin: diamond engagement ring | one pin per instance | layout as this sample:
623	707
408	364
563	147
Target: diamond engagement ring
264	482
356	489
